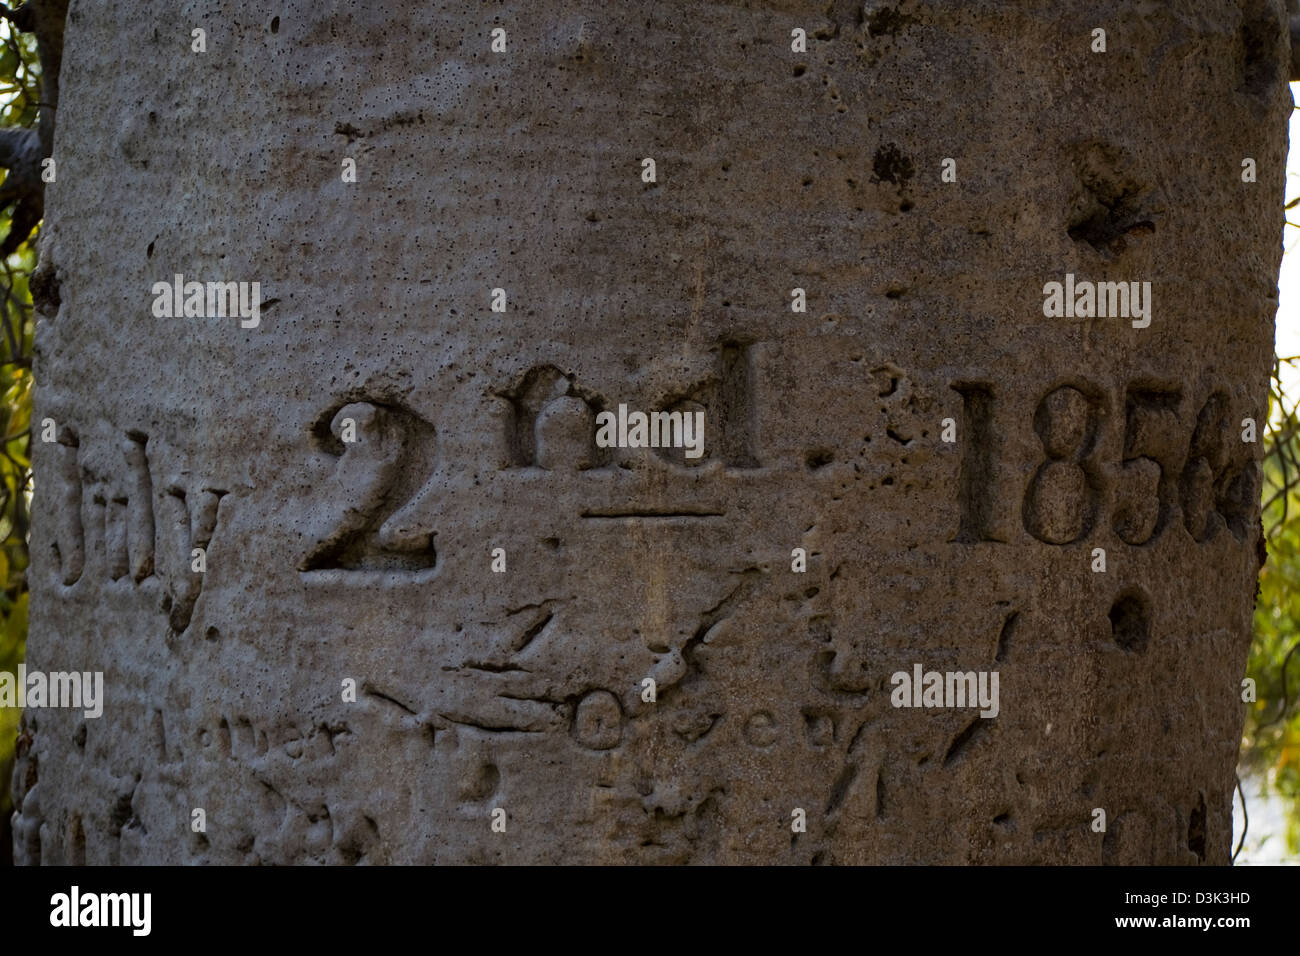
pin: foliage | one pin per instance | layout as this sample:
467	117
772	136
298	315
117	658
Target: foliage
1271	742
19	95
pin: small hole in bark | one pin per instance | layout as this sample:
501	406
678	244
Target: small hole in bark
1129	624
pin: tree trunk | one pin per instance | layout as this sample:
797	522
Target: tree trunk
670	658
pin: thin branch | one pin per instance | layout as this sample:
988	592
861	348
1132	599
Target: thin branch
1245	821
9	332
1286	692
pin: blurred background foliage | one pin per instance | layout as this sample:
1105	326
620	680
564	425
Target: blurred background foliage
1271	741
19	96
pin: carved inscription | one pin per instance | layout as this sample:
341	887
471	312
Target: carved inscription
124	516
189	524
552	424
1167	465
1061	501
1151	458
69	543
139	508
1217	490
379	491
976	477
729	402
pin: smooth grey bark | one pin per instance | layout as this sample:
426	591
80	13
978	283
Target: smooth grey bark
521	690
